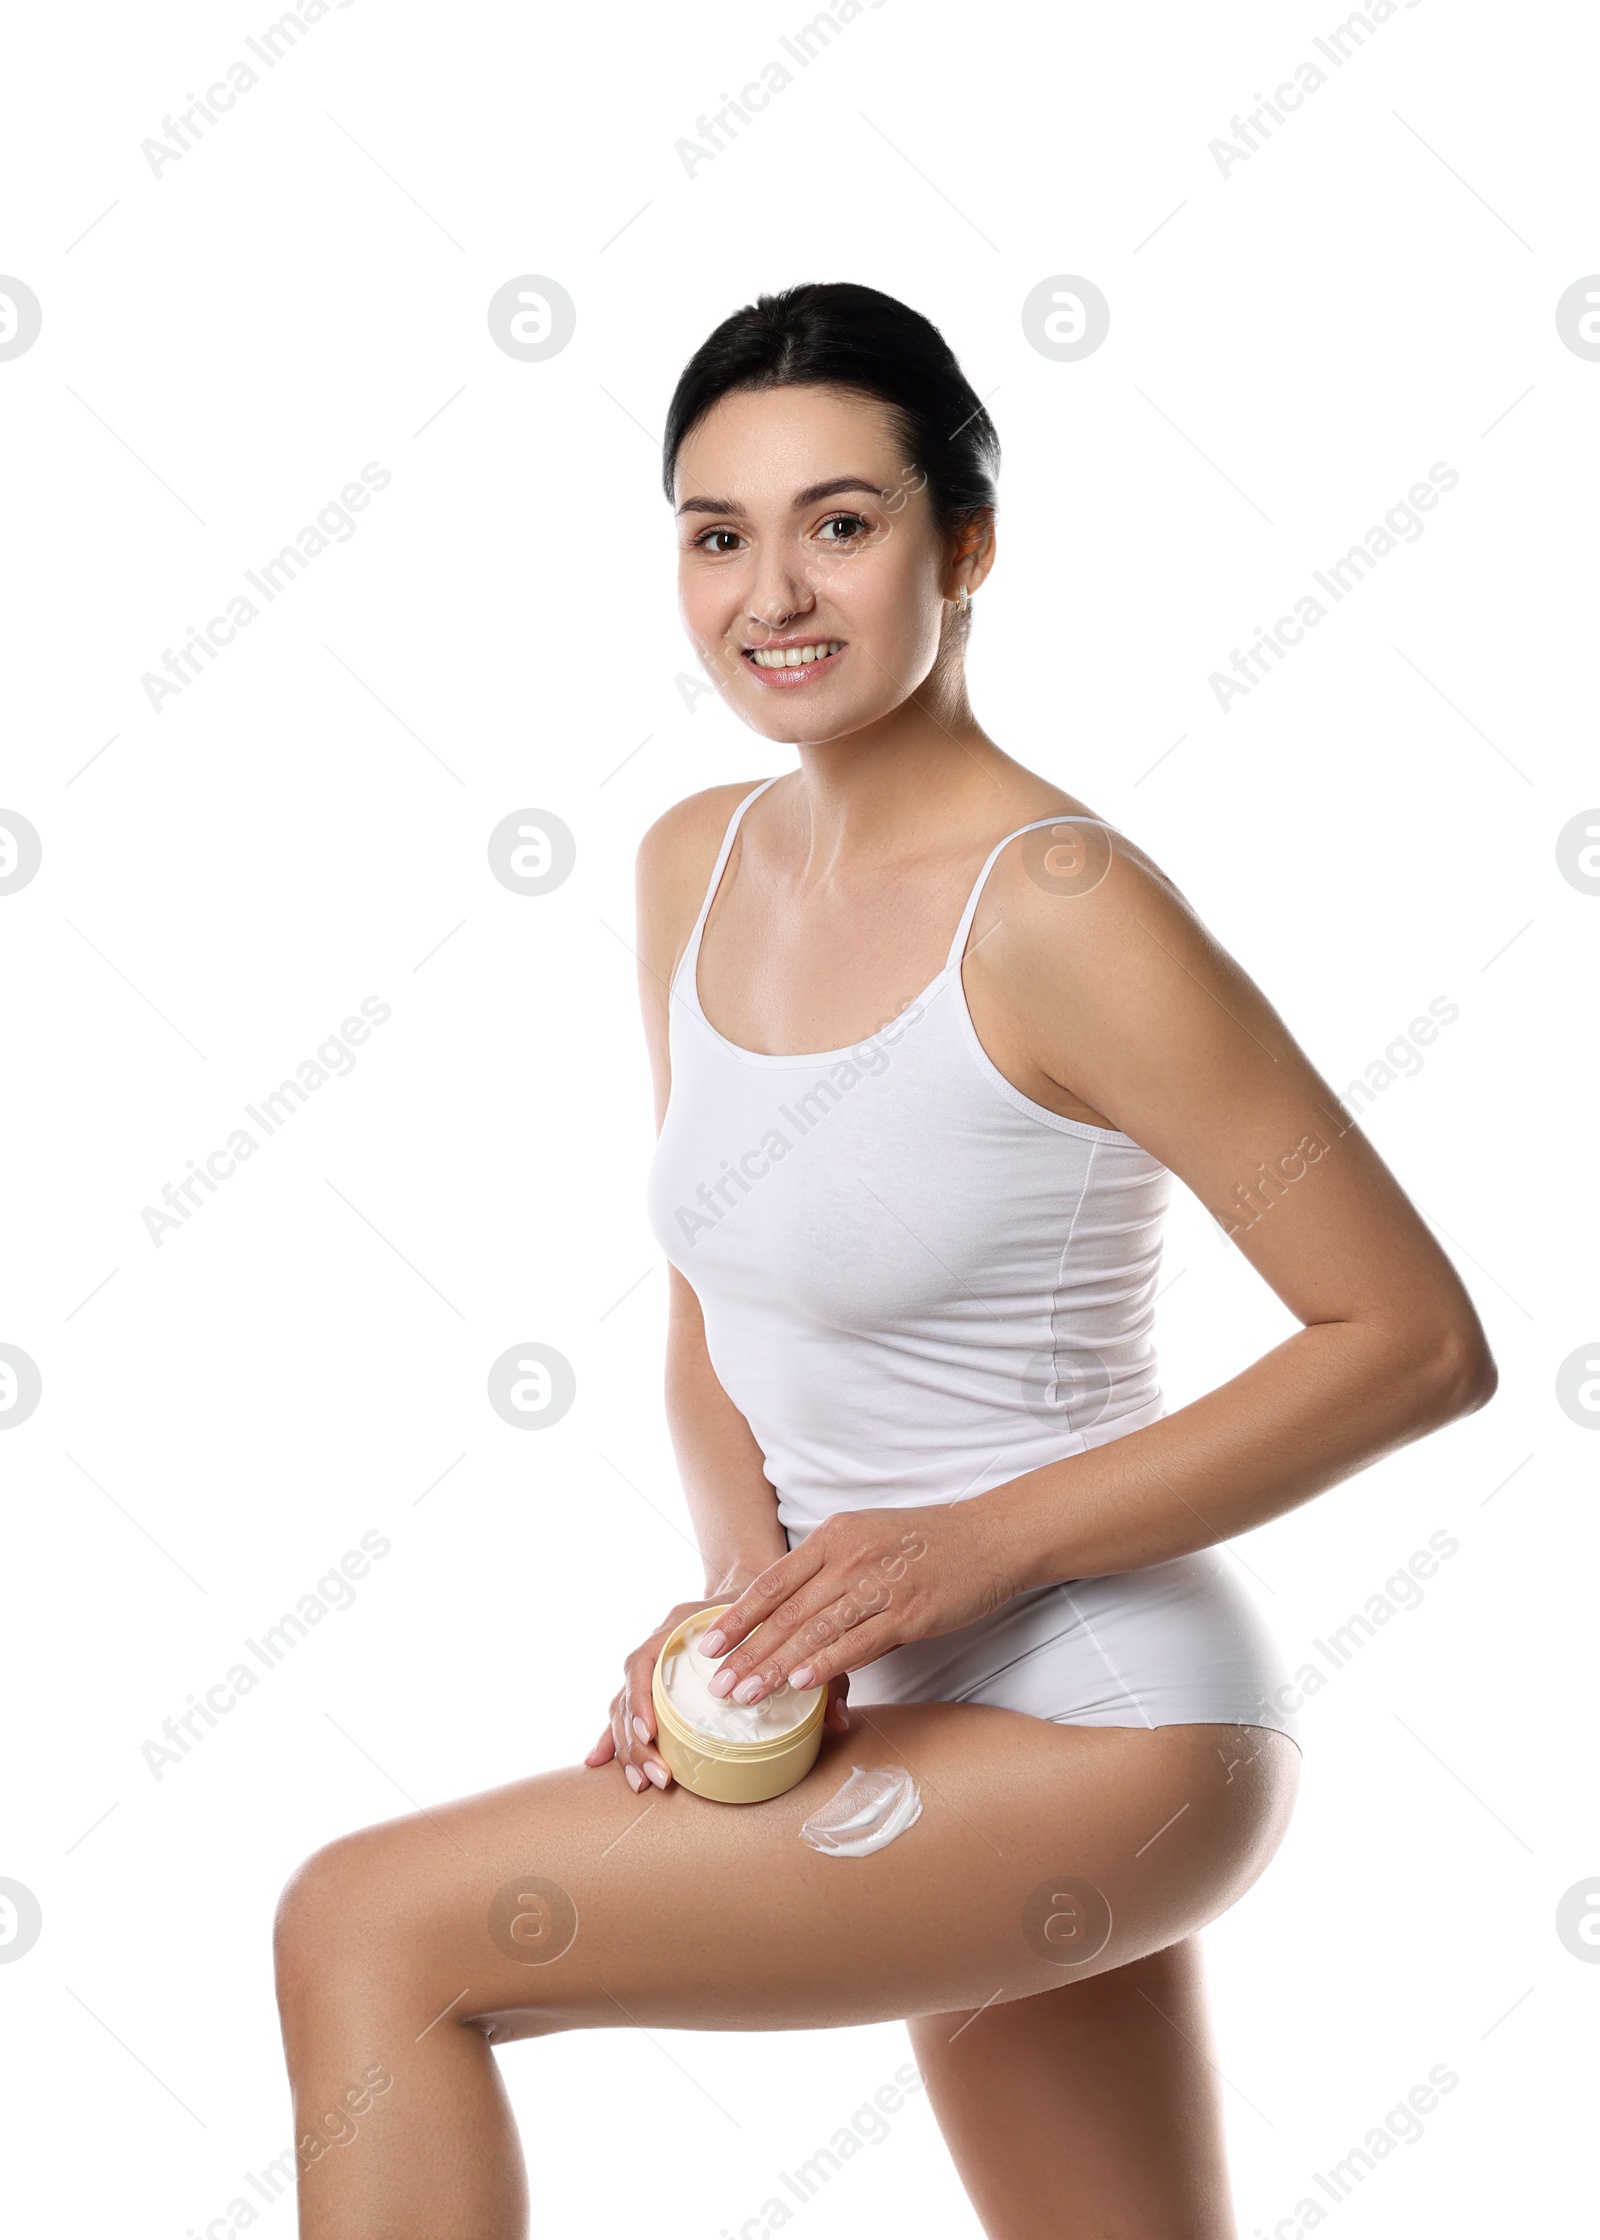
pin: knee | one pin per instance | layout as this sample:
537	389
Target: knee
321	1929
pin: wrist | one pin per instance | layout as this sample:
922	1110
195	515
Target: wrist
1029	1532
739	1573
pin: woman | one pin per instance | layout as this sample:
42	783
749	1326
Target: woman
929	1042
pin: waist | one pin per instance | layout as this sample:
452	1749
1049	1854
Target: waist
820	1476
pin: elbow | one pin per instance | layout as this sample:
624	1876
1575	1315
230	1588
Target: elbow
1463	1376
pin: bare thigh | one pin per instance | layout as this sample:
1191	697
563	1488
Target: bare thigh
667	1908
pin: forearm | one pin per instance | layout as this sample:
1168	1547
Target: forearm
731	1501
1328	1401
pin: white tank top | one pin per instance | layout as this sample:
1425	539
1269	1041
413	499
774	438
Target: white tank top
916	1282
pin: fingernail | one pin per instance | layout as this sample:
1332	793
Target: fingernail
657	1774
721	1682
640	1729
714	1642
635	1778
748	1690
802	1677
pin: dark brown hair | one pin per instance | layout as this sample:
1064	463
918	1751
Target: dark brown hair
838	334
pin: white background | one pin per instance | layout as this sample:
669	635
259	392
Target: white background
223	347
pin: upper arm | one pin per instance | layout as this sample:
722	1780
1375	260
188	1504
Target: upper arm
733	1506
1130	1003
671	872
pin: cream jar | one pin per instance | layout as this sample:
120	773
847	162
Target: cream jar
736	1753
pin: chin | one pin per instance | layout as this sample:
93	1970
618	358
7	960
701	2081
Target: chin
803	730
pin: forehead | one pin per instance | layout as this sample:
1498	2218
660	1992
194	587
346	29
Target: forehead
759	446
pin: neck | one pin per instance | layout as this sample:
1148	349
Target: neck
918	778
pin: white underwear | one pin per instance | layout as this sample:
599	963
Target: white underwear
1173	1644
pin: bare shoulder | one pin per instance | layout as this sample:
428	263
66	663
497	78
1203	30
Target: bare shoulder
1121	994
673	868
694	824
1071	900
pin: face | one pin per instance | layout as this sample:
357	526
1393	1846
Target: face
802	531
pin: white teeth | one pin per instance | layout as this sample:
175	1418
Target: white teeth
795	657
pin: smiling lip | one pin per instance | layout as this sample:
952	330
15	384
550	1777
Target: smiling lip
790	672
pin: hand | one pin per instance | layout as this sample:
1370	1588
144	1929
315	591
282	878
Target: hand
864	1582
632	1728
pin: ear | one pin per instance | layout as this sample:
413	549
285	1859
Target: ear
972	553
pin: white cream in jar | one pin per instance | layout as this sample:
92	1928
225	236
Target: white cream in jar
687	1674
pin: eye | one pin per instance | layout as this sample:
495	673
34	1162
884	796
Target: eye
702	543
853	521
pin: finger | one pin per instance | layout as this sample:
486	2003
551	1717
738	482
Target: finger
762	1597
622	1739
604	1750
809	1616
650	1762
858	1645
634	1726
639	1709
809	1667
789	1644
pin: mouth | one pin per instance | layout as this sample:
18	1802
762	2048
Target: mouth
788	665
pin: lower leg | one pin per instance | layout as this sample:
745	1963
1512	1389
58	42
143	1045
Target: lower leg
401	2121
1090	2110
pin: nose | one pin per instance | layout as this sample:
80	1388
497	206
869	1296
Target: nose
779	593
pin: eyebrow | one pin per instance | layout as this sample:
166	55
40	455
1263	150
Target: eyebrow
806	497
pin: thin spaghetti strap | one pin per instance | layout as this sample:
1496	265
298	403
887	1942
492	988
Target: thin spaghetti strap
691	948
958	946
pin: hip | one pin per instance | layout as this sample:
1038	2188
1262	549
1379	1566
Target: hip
1171	1644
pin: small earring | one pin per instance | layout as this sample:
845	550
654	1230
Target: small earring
962	600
